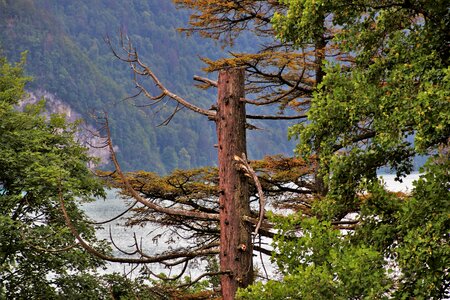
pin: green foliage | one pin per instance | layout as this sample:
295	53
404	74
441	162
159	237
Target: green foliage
363	116
398	86
412	231
321	263
12	82
424	255
39	162
303	22
399	250
111	286
365	113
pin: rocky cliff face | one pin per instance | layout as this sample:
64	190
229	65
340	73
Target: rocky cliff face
88	135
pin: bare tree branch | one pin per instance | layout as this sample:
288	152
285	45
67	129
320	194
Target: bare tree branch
280	117
154	259
139	68
186	285
207	83
115	217
245	166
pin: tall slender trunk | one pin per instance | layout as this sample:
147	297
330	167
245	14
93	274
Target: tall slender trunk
320	45
235	234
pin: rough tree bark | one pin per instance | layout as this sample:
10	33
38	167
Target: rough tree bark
235	234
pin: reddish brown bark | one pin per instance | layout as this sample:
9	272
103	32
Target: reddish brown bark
235	234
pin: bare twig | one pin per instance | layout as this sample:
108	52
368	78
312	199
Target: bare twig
139	68
276	117
115	217
117	247
190	283
176	277
64	249
206	82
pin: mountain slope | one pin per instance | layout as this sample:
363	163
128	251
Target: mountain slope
69	58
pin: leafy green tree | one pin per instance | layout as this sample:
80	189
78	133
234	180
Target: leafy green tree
399	250
322	264
396	86
43	166
41	163
362	117
109	286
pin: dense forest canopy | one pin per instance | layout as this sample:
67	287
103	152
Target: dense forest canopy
69	58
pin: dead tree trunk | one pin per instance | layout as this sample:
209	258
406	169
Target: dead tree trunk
235	234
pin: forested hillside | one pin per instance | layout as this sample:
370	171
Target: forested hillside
67	56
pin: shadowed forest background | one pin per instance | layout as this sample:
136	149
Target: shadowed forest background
68	57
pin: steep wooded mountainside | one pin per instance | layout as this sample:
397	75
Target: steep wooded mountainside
67	56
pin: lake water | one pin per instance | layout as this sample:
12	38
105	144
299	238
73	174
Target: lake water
405	186
102	210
